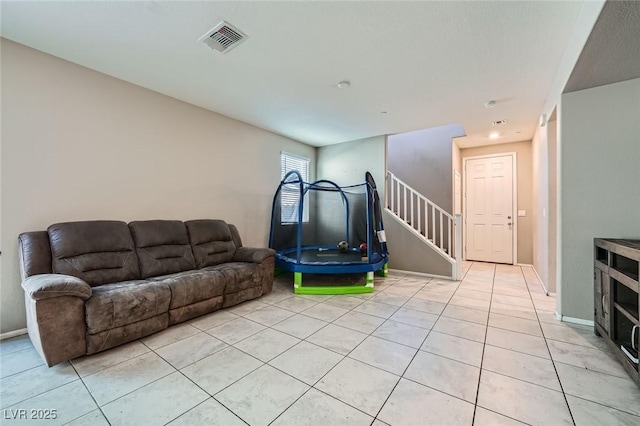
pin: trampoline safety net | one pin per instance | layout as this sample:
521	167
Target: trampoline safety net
310	220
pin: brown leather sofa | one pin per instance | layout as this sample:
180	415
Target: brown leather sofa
90	286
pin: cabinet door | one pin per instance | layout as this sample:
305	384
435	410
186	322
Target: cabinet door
601	301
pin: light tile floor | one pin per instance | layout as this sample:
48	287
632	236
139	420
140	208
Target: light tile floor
483	351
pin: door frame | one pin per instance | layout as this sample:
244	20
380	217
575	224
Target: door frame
514	164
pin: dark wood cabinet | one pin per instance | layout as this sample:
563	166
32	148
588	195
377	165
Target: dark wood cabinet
602	299
617	298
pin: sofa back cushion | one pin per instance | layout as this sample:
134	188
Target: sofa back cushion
162	246
235	236
34	253
98	252
211	241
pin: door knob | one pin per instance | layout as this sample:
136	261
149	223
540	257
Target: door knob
508	217
509	223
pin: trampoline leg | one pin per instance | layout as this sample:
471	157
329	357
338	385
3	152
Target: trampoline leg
297	279
384	271
369	279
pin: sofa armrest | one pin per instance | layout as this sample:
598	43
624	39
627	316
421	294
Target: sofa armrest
253	255
47	286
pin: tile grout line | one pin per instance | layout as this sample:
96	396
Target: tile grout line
564	395
39	393
201	388
209	395
332	368
430	330
197	405
145	385
232	345
333	322
484	344
623	377
501	414
103	369
376	329
347	356
160	378
418	351
295	378
91	395
369	334
514	350
23	371
606	406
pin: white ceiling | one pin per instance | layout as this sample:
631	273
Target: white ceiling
425	63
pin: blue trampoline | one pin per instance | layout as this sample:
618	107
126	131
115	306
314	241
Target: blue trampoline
322	228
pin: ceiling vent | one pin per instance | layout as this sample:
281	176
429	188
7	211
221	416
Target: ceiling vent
499	122
223	37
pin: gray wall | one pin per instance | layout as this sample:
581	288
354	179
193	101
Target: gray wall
407	252
540	202
599	178
346	163
456	165
552	138
423	160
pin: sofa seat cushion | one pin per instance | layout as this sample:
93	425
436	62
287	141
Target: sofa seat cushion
120	335
118	304
193	286
232	299
185	313
239	275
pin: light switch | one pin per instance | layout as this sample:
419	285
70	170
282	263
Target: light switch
522	213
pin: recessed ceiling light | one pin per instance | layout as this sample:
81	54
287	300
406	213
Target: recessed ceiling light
494	135
490	104
344	84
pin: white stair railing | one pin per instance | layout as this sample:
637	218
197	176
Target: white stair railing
436	226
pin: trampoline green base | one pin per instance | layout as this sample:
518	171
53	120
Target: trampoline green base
354	289
298	288
384	271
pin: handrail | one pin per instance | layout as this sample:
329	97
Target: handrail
444	212
417	210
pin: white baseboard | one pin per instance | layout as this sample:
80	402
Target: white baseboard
421	274
572	320
10	334
544	287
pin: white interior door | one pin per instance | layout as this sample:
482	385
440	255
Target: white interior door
489	215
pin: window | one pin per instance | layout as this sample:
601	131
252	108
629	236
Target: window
290	193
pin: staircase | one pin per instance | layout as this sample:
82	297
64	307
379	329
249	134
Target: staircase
435	227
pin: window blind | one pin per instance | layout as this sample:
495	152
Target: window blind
290	194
